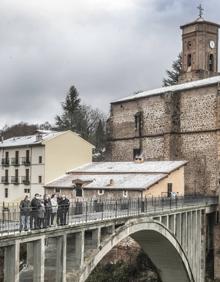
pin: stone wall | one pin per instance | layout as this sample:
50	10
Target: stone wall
110	195
175	126
93	194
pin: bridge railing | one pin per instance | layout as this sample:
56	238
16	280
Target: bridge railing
12	219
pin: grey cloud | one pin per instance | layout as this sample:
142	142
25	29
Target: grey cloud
107	51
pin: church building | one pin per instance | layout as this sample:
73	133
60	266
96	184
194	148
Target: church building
180	122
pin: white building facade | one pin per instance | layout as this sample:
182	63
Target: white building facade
29	162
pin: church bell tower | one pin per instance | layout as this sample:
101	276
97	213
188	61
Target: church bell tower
199	49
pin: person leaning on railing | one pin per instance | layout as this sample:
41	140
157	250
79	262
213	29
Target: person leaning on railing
25	209
54	206
64	204
41	215
35	205
48	210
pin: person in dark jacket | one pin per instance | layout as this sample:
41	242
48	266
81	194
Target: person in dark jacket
48	210
59	199
24	213
41	214
35	205
63	206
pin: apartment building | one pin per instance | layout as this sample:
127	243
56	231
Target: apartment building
30	162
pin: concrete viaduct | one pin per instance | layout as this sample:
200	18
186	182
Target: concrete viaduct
176	238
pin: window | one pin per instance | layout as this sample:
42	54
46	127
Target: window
27	156
78	190
125	193
6	158
136	153
211	62
16	176
101	192
27	174
57	190
169	189
6	192
138	122
39	179
40	159
6	155
189	60
16	157
27	191
6	175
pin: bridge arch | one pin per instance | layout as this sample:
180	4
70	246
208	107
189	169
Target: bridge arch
159	244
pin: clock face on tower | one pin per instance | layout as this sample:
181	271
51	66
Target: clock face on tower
212	44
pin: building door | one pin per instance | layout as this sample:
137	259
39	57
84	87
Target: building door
169	189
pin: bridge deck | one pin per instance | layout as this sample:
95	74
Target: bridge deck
93	211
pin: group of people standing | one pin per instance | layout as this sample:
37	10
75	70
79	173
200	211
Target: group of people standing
43	212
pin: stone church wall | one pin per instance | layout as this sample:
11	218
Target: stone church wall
201	171
198	109
175	126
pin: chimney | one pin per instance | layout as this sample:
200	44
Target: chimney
39	137
111	182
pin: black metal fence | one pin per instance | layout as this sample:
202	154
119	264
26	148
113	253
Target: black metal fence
13	220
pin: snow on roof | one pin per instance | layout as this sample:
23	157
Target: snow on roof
129	167
174	88
29	140
110	181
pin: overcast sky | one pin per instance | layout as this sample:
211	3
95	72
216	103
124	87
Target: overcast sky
108	49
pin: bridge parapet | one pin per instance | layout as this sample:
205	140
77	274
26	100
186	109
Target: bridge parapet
82	211
72	251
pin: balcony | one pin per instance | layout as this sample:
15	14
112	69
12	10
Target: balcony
25	180
15	162
5	180
15	180
26	161
5	162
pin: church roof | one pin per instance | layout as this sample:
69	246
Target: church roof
200	20
173	88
